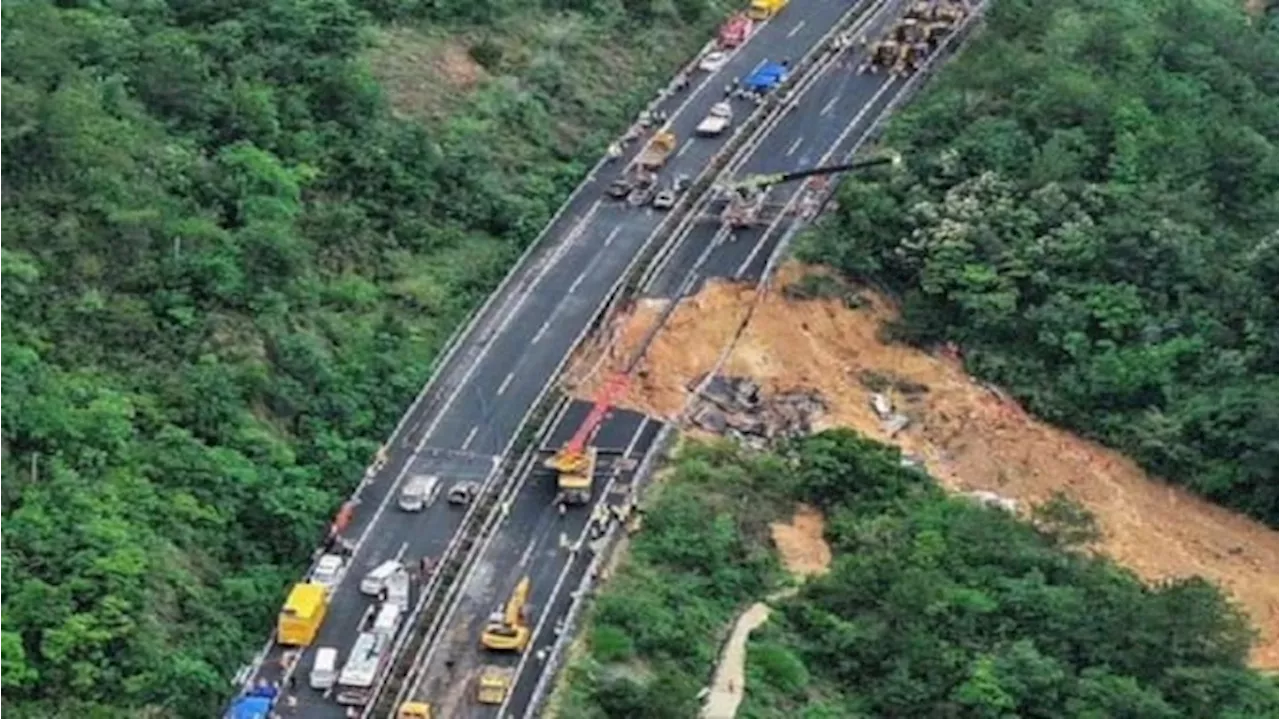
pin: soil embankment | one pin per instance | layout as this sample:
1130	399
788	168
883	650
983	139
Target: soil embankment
968	435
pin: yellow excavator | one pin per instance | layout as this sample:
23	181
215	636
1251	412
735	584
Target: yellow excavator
507	631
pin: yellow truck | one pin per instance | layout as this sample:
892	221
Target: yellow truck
414	710
493	684
302	614
764	9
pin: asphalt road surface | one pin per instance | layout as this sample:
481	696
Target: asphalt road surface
534	540
829	120
468	419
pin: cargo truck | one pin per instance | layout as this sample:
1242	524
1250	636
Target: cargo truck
761	10
302	614
655	154
493	684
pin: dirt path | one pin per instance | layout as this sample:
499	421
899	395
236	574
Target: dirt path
967	435
728	685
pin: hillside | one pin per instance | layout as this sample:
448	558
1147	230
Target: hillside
1089	213
931	606
968	434
236	235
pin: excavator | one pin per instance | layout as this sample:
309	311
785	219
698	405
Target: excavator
575	462
746	196
507	631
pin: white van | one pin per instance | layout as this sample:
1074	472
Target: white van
419	492
374	581
324	672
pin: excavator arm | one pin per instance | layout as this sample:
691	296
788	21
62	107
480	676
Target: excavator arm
760	182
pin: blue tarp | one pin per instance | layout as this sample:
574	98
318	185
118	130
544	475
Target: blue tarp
767	77
250	708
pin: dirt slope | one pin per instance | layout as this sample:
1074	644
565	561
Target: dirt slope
967	435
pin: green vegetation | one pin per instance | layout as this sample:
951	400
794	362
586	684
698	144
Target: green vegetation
933	607
228	266
1089	212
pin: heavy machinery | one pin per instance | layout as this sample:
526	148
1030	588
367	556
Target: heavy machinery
747	196
507	630
913	38
493	684
575	463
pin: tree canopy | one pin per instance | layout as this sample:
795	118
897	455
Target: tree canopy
933	606
1088	211
227	268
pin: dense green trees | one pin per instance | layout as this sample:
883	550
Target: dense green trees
1089	211
933	606
227	268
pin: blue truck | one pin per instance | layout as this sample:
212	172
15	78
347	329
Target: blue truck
769	76
255	703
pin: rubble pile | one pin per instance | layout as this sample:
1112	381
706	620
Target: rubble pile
736	408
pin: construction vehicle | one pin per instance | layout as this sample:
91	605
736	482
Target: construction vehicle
256	703
507	630
655	154
575	463
414	710
747	196
913	38
717	120
493	684
735	31
761	10
302	614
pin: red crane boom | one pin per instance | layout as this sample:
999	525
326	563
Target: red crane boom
605	399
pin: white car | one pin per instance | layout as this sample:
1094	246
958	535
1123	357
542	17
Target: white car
328	571
717	120
713	61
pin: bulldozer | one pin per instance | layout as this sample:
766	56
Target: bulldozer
507	630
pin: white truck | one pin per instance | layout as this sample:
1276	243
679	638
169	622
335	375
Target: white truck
717	120
368	654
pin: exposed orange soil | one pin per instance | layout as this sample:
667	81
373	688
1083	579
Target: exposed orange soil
422	75
801	544
967	435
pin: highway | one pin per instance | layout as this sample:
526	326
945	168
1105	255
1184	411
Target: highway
535	541
831	116
468	416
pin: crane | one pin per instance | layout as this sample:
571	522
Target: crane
575	462
507	630
746	196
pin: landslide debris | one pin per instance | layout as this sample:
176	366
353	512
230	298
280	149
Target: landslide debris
973	438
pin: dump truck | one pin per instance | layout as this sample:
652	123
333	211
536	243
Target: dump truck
735	31
765	9
414	710
655	154
507	630
302	614
493	684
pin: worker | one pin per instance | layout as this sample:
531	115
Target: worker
615	151
448	665
426	567
291	704
682	81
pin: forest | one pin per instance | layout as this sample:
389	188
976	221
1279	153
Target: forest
933	606
1088	212
229	260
